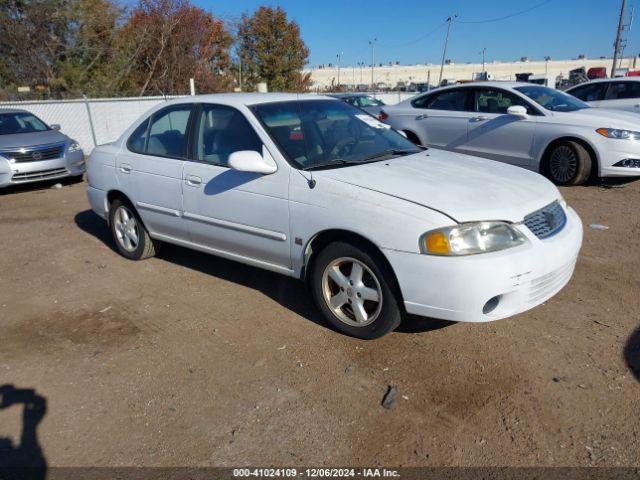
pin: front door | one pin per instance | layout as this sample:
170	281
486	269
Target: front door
494	134
239	214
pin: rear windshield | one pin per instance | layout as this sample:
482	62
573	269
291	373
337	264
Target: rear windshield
20	122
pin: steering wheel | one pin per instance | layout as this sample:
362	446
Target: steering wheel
337	150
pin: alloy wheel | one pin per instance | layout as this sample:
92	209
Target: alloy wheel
563	164
352	291
126	229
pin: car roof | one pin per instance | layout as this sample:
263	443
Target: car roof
249	99
347	94
603	80
13	110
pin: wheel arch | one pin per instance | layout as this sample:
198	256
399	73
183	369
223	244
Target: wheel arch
325	237
113	195
595	171
412	136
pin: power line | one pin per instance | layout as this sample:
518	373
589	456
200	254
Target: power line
416	40
511	15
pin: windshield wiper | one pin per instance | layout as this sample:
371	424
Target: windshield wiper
330	163
385	153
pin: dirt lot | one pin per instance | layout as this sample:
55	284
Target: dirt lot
188	359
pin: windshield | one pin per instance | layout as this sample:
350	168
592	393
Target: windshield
370	102
20	122
329	133
552	99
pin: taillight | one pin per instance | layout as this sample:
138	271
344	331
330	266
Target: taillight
382	116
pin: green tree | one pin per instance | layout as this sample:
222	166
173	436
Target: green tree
271	50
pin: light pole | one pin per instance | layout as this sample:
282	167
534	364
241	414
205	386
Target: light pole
338	56
484	50
373	60
446	42
546	64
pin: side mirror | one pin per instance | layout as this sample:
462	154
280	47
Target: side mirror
250	161
55	126
517	111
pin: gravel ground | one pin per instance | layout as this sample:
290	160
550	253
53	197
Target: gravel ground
188	359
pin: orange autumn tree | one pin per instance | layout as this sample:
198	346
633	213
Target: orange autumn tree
170	41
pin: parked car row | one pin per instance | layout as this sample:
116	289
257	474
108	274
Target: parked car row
531	126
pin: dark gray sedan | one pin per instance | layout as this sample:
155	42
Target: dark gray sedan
362	101
31	150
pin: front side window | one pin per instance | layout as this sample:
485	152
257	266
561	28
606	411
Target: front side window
222	131
20	122
623	90
488	100
167	135
552	99
590	93
138	140
325	134
452	100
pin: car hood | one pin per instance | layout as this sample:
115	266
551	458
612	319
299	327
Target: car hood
602	118
32	139
462	187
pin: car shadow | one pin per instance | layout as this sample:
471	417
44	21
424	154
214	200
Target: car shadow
612	182
632	353
288	292
24	460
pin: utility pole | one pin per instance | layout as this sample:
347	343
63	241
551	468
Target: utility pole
373	60
446	41
616	45
338	56
484	50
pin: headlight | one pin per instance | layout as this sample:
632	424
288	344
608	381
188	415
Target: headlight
619	134
471	238
74	147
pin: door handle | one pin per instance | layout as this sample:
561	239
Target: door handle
422	116
193	181
480	118
125	168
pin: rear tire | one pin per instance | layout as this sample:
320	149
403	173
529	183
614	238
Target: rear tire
354	291
568	163
129	233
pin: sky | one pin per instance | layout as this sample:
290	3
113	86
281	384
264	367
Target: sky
413	31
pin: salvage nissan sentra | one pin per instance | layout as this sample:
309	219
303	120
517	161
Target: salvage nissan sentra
316	189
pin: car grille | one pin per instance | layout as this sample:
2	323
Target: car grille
547	221
39	175
35	154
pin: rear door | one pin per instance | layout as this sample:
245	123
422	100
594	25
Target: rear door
623	95
494	134
441	118
152	169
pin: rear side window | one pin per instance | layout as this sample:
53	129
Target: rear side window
168	132
497	101
138	140
623	90
453	100
589	93
221	132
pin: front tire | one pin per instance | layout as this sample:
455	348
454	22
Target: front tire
354	292
568	163
129	233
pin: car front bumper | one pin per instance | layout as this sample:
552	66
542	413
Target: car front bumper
460	288
69	165
614	151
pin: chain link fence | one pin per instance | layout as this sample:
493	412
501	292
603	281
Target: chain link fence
96	121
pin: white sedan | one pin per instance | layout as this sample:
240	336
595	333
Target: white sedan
315	189
535	127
